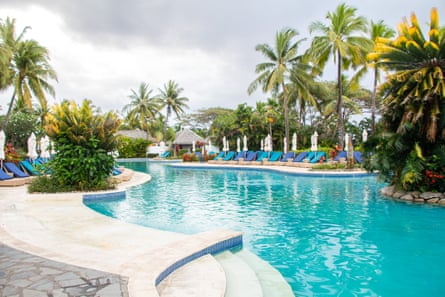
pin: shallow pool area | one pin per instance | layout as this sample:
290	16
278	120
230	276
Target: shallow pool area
328	236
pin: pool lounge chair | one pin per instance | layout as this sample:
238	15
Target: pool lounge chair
16	171
165	154
358	157
274	158
219	157
249	159
30	168
340	156
288	157
301	156
230	155
261	156
302	160
318	157
7	180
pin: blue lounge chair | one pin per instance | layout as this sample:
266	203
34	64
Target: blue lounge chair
229	156
29	167
250	156
220	156
309	156
301	156
4	175
11	167
288	156
275	156
358	157
261	155
165	154
340	155
238	156
317	157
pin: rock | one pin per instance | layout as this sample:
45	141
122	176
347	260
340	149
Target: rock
419	200
388	191
398	194
415	194
431	195
407	197
432	200
441	202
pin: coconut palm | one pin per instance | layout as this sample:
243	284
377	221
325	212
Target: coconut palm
142	108
170	98
342	39
29	69
274	73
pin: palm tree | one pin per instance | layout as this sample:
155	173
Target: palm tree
170	99
338	39
29	69
142	107
274	73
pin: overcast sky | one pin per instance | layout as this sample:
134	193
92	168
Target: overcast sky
101	49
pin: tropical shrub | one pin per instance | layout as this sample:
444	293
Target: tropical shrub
83	138
132	148
409	152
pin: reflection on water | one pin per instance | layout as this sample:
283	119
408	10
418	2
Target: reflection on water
327	236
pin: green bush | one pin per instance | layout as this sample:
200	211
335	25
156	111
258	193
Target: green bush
83	139
132	148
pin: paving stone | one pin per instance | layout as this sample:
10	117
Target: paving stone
34	293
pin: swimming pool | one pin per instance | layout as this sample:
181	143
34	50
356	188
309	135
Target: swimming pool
327	236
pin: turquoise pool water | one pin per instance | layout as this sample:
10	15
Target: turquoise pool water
327	236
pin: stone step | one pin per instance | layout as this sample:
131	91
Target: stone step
241	280
272	282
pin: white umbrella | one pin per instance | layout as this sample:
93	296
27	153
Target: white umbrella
227	145
350	147
245	143
2	145
224	144
262	145
364	136
238	145
44	147
346	141
314	142
294	142
209	148
32	150
285	145
193	146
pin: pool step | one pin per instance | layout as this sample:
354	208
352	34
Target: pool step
248	275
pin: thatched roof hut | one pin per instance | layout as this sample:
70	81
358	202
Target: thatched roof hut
185	138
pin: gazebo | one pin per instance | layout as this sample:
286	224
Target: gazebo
184	139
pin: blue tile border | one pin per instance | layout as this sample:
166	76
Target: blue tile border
218	247
110	196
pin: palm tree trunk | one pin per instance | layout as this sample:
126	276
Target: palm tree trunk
373	102
8	114
286	117
340	123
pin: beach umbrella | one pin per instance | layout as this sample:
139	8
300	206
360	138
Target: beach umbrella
262	145
32	150
364	136
2	144
227	145
209	147
193	146
44	147
245	143
238	145
350	148
346	141
285	145
314	142
224	144
294	142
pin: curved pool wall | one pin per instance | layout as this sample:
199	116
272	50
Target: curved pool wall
327	236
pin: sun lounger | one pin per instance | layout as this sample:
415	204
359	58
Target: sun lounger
238	156
340	155
220	156
318	157
29	167
358	157
165	154
301	156
288	156
249	159
261	155
4	175
16	171
229	156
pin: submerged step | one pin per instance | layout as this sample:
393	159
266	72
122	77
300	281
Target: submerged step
241	279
